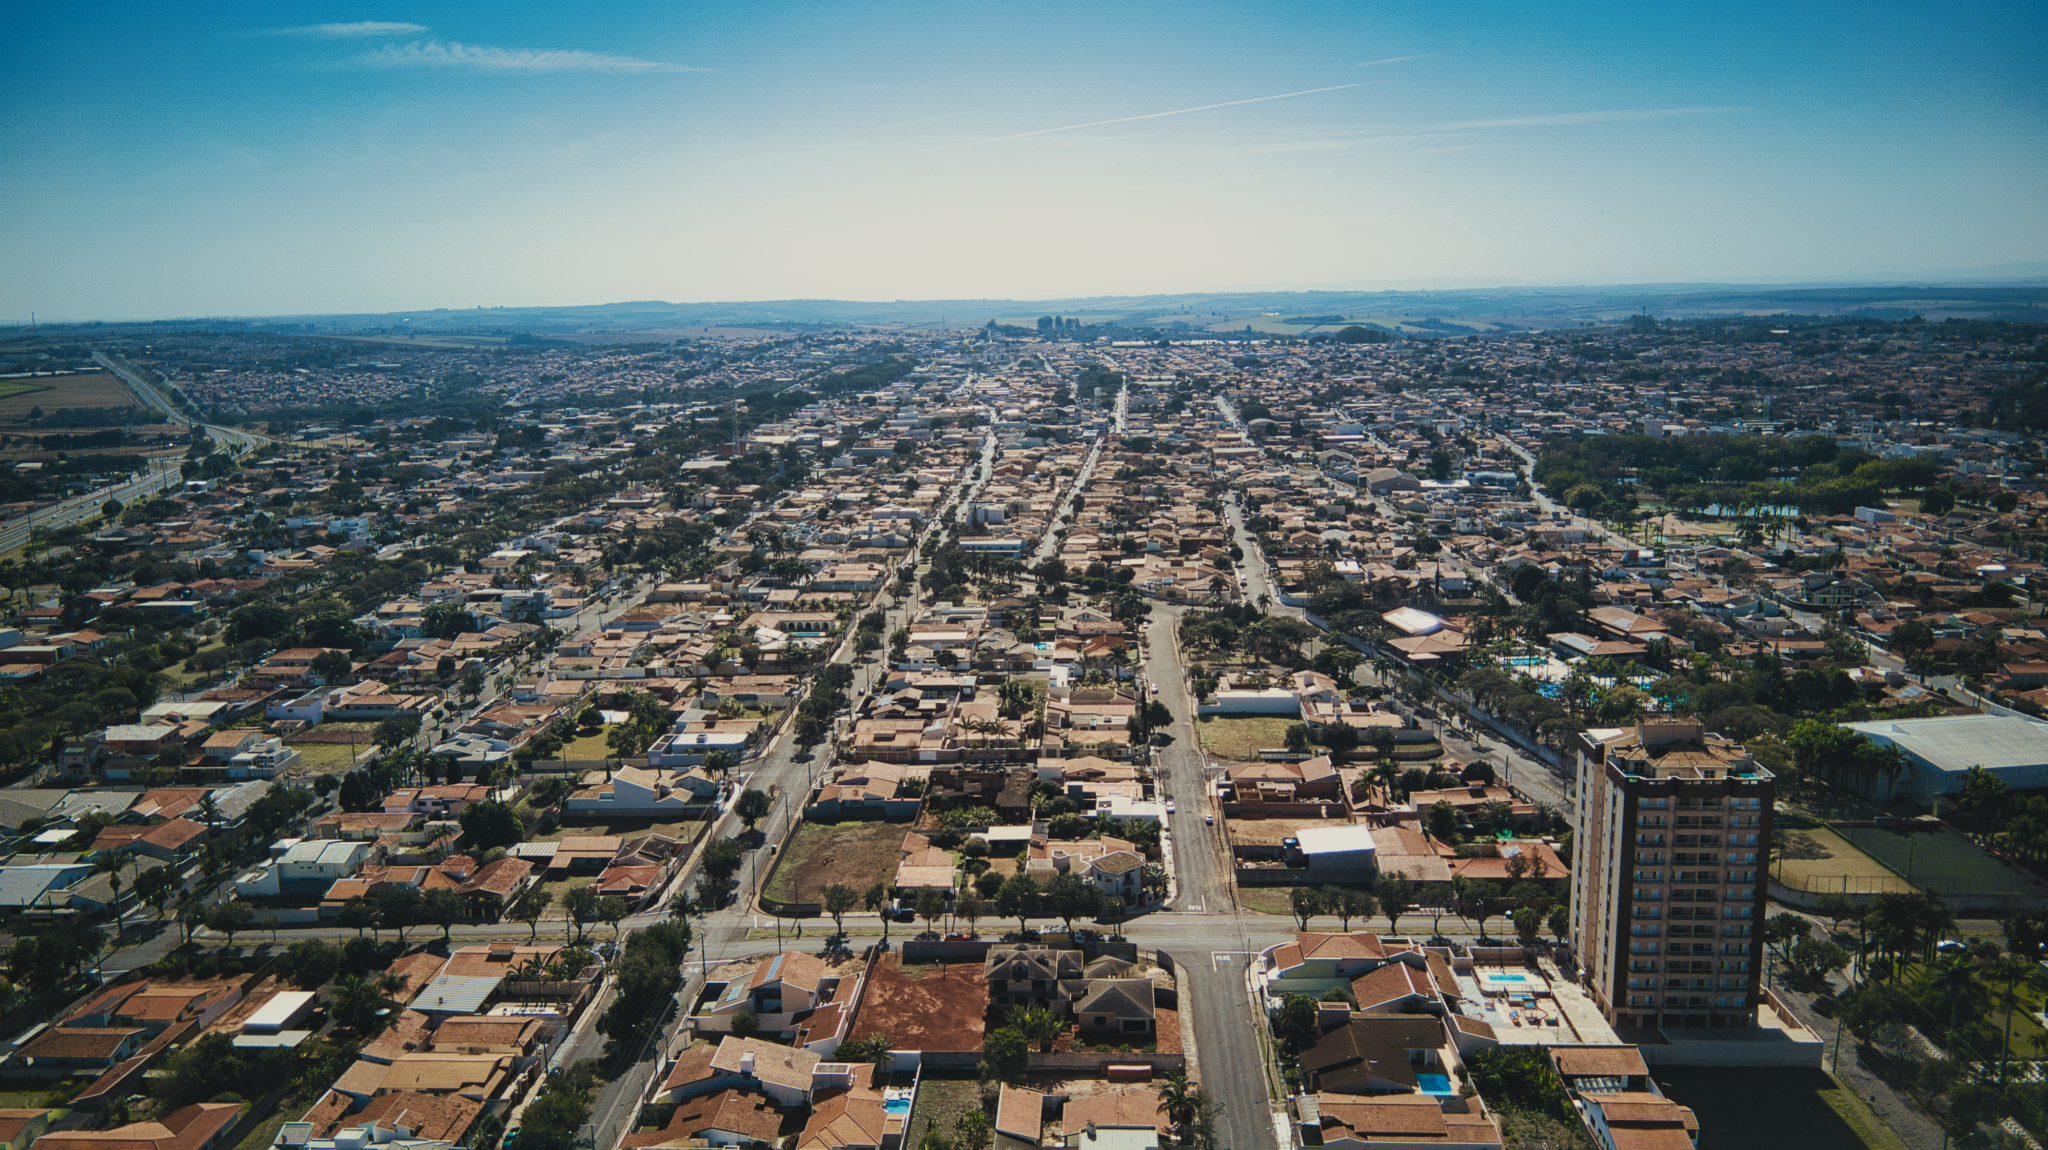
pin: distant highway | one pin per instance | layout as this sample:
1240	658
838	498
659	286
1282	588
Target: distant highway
162	474
238	441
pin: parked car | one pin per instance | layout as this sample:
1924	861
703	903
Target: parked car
1169	806
1209	817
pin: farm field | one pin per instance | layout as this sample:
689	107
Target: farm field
1240	738
820	854
98	389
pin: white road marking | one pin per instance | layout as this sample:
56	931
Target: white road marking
1218	957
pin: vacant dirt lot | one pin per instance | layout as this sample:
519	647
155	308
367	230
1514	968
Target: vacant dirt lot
820	854
925	1006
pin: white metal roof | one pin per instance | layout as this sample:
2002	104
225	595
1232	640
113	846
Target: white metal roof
1331	840
1958	742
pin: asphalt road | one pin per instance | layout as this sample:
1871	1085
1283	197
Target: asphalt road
1214	936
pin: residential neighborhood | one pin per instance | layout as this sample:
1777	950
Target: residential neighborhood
1032	734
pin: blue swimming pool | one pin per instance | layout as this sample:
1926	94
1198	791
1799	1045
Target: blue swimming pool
896	1106
1507	978
1437	1084
1526	660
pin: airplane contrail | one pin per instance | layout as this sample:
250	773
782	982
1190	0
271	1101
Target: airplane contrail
1146	116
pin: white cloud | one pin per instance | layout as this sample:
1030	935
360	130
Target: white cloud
1146	116
1564	119
360	30
481	58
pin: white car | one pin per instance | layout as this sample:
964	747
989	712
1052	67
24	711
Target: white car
1155	688
1169	806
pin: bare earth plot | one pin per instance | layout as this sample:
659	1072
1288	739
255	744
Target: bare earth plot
820	854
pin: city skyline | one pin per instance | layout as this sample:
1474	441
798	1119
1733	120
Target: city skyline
302	159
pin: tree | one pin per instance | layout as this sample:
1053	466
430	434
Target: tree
745	1024
1528	924
752	807
931	903
973	1129
490	824
1783	930
155	887
1814	959
229	917
1348	903
398	730
1005	1056
531	907
581	903
1069	896
1296	1025
1039	1024
1306	902
968	908
1560	921
399	906
612	910
442	908
1018	899
1869	1007
331	666
358	915
312	963
840	898
1443	821
1179	1101
1476	901
1396	895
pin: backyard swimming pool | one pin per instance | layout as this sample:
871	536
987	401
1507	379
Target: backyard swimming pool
1437	1084
1526	660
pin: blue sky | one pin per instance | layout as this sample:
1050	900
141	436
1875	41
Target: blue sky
278	158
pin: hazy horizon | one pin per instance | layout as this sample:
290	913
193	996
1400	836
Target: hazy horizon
307	159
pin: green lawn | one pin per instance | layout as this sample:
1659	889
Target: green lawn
326	758
587	747
1240	738
1986	1026
1775	1106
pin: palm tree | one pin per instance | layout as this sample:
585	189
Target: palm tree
1039	1024
110	865
1180	1101
1955	981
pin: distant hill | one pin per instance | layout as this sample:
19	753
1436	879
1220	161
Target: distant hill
2023	297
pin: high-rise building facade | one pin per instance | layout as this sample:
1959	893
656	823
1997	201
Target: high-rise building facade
1670	846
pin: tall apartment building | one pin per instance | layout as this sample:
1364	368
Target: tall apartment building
1669	853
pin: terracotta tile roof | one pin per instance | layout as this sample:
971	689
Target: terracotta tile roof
447	1117
1599	1061
79	1042
183	1129
1020	1113
750	1116
852	1119
786	1066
